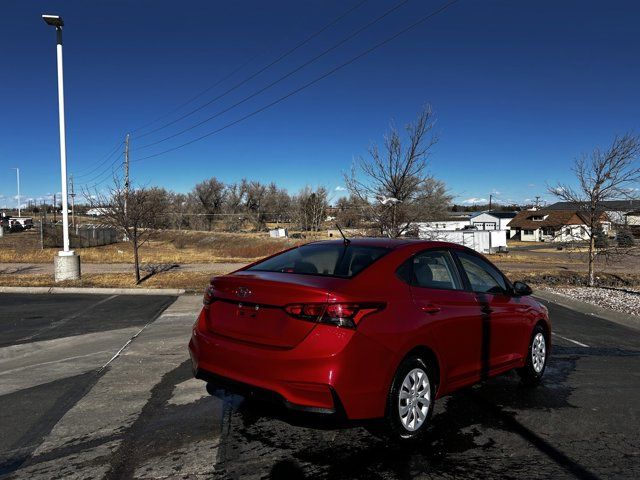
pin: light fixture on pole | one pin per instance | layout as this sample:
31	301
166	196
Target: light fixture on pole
18	181
67	263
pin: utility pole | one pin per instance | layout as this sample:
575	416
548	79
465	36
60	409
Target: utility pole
490	201
126	174
18	180
54	208
73	202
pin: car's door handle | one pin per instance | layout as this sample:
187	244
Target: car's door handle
431	309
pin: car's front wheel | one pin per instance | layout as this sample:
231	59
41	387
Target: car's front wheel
411	399
537	357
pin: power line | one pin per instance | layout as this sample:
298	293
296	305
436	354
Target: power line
108	170
126	174
109	175
195	97
102	180
287	75
255	74
309	84
281	57
105	160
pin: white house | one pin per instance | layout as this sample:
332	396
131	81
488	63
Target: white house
449	224
493	221
633	218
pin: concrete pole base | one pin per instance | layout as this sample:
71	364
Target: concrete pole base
66	266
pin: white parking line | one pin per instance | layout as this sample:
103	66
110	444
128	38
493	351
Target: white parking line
569	340
117	354
51	362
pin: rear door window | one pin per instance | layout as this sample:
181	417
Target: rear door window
331	259
431	269
483	277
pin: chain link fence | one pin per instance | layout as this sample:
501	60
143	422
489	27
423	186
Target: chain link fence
80	236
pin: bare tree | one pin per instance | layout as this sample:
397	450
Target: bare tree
350	211
138	218
255	203
278	204
209	197
179	206
602	175
393	182
233	219
311	208
259	203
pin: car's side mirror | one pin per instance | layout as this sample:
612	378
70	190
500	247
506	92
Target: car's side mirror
521	289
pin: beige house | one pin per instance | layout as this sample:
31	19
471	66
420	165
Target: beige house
616	210
548	225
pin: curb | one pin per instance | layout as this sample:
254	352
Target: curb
621	318
94	291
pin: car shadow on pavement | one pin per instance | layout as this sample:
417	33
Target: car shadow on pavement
164	431
159	438
295	446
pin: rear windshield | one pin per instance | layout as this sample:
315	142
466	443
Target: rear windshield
331	260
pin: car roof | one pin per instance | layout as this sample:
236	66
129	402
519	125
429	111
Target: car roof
391	243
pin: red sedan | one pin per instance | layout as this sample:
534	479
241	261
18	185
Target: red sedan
368	328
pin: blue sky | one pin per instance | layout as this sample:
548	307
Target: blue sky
519	89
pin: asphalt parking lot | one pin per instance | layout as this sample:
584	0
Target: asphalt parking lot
71	408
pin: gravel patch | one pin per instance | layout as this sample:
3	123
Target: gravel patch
621	301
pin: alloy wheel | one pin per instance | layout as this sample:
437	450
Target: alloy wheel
414	399
538	352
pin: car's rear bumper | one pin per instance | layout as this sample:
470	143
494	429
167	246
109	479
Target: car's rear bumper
332	370
251	391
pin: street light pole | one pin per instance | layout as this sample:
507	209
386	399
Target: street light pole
67	263
63	147
18	180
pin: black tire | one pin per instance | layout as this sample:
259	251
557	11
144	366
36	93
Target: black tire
394	426
529	374
213	389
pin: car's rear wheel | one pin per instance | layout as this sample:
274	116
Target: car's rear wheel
537	356
212	388
411	400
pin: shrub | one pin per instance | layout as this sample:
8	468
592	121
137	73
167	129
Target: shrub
601	239
625	239
180	242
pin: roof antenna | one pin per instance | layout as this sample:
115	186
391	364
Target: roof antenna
344	239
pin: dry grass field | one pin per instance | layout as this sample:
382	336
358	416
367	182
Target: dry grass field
172	247
538	265
190	281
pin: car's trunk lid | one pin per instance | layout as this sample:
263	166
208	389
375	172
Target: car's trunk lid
248	306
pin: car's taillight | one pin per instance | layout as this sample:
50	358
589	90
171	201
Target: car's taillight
209	297
340	314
